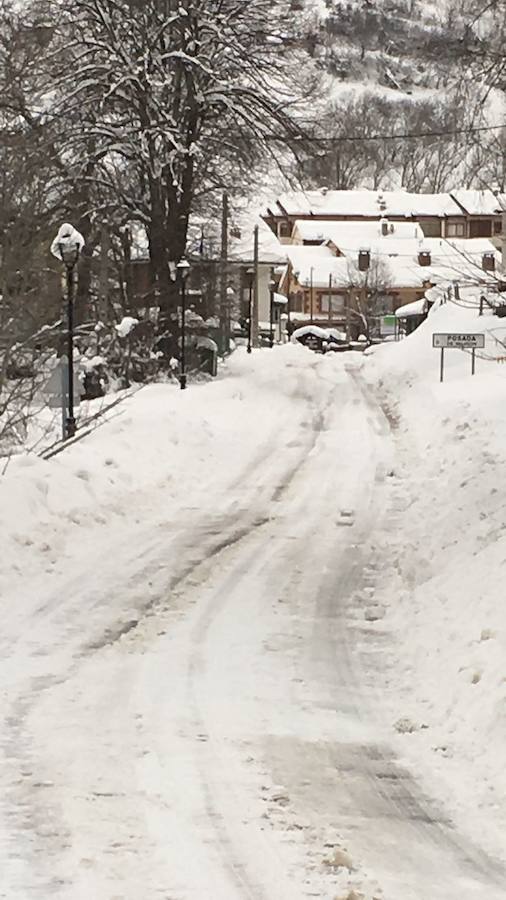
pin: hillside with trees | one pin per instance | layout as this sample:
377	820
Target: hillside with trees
400	68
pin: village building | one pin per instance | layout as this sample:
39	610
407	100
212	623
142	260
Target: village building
331	281
459	214
323	256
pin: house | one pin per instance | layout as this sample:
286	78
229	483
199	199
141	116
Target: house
460	214
271	257
483	211
332	281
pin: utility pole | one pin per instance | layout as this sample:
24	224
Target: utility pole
254	330
311	297
224	310
330	297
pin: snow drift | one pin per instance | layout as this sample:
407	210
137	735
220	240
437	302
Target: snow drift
444	582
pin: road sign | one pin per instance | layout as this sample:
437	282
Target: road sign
56	385
458	341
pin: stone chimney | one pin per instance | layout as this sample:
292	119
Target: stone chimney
424	258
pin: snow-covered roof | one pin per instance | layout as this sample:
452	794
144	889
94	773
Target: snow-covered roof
316	265
338	232
417	308
477	203
369	204
450	260
270	250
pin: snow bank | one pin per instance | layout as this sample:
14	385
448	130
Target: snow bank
444	584
160	440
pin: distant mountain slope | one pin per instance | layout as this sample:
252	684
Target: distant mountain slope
411	95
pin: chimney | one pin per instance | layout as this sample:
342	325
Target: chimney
384	227
488	262
424	258
364	260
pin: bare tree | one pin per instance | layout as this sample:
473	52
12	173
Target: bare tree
169	100
367	291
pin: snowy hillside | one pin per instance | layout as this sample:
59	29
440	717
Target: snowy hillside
405	67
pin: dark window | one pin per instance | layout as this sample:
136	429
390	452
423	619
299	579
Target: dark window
497	226
480	228
431	228
285	230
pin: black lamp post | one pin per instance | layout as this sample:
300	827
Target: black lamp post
272	285
183	270
250	275
67	247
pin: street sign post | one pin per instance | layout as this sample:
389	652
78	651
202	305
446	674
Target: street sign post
458	341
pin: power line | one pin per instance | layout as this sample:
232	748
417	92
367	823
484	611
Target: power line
387	137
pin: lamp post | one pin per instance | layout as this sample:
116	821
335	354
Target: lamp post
183	270
250	273
272	285
67	247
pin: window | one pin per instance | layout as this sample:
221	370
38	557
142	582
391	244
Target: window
284	230
385	304
336	301
431	227
480	228
497	226
455	229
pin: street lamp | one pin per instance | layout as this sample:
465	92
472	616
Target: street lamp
67	247
272	285
250	273
183	270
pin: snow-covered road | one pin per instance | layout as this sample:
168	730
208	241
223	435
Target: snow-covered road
195	711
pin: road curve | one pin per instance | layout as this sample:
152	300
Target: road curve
230	743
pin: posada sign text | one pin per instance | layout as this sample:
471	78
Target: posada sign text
458	341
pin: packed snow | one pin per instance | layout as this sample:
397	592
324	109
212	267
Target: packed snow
253	642
444	591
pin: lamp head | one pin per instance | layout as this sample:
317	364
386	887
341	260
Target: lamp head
67	245
183	269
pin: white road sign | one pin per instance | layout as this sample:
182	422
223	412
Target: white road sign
56	386
458	341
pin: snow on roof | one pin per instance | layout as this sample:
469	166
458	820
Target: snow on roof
270	250
338	232
477	203
449	261
369	204
417	308
316	265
